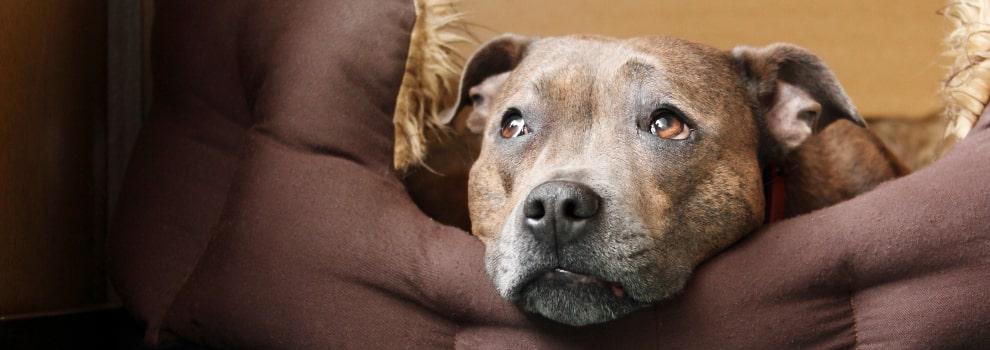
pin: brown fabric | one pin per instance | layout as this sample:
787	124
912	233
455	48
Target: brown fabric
184	159
260	211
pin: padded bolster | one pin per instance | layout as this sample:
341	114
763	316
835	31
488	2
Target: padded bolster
322	76
184	159
319	77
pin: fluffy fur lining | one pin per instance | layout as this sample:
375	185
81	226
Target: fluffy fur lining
966	90
429	84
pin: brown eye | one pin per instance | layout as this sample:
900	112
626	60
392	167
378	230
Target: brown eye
667	125
513	125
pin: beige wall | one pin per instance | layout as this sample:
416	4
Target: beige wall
885	52
52	89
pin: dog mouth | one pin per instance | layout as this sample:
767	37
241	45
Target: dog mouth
576	298
570	279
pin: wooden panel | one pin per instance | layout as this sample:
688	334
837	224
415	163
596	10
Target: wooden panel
52	89
885	52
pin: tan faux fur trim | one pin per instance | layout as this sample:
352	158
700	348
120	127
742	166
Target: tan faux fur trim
430	80
966	90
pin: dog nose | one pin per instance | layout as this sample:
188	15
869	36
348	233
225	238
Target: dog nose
560	210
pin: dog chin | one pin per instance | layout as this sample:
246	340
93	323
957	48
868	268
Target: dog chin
576	300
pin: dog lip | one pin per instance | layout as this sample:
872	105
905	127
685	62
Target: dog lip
576	278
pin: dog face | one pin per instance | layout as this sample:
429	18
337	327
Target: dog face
610	169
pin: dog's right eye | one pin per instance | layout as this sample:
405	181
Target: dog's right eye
513	124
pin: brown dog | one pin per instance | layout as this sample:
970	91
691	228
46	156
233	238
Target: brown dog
609	169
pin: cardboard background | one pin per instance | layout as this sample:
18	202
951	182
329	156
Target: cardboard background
886	53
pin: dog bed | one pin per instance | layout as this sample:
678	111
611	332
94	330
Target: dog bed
263	208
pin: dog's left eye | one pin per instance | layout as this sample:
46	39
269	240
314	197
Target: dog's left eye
668	125
513	124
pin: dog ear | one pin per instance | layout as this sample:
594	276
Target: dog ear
795	93
484	74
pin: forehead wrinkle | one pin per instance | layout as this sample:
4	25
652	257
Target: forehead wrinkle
635	69
560	83
645	83
542	86
512	92
652	85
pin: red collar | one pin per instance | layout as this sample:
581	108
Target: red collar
777	195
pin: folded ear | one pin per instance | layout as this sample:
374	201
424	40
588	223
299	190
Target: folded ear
795	93
483	76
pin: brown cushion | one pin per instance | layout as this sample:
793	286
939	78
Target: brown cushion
261	211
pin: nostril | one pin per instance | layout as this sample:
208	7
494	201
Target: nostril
534	209
570	209
580	207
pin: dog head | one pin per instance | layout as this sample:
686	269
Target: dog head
609	169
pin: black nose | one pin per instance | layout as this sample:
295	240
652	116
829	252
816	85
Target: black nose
560	210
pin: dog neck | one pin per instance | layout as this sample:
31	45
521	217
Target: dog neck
840	162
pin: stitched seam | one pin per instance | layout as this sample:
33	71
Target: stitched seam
214	229
188	275
158	328
307	148
457	335
855	325
238	44
154	329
